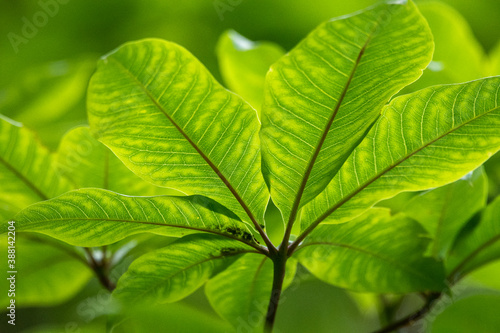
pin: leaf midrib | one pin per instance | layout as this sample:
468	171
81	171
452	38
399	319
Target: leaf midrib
148	223
193	144
25	180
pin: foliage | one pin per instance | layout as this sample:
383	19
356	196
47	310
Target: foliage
304	148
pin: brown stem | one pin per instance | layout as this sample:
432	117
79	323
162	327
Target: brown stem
279	264
410	319
100	268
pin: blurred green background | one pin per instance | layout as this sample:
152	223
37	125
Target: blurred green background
43	80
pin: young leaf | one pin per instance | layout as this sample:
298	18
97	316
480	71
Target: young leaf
244	64
373	253
163	114
88	163
51	274
445	210
174	272
480	246
324	95
240	294
422	140
27	170
94	217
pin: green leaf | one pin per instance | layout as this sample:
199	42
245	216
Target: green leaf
49	273
241	293
422	140
458	56
88	163
480	246
492	167
95	217
445	210
324	95
174	272
27	170
162	113
373	253
478	313
244	64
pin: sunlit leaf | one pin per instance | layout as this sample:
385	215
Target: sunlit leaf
88	163
162	113
94	217
173	272
373	253
324	95
445	210
422	140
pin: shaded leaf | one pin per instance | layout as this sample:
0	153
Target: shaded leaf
27	170
162	113
244	64
458	56
373	253
241	293
94	217
445	210
324	95
423	140
50	273
173	272
480	246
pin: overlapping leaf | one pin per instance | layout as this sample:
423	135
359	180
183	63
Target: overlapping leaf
480	246
445	210
88	163
422	140
162	113
241	293
27	170
324	95
244	64
373	253
172	273
94	217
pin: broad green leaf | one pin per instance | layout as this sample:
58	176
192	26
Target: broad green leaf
244	64
241	293
480	246
493	66
422	140
373	253
88	163
486	276
458	56
492	167
49	273
445	210
162	113
27	170
174	272
324	95
397	203
95	217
